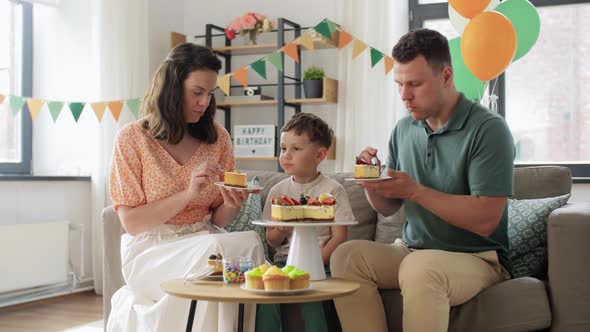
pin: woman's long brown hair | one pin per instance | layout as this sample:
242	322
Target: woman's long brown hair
162	104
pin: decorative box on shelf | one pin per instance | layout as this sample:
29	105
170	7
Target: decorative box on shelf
254	141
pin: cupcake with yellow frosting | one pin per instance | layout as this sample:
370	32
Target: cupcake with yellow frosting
254	278
275	279
299	279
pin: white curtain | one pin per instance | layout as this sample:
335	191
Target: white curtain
368	105
120	40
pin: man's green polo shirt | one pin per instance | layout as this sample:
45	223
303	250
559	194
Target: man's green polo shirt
472	155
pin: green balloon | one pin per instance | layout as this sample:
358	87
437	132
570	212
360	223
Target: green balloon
526	21
472	87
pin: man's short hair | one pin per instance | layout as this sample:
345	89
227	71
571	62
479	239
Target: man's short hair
316	129
429	43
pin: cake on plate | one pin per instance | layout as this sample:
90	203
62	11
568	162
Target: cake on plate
275	279
235	179
299	278
215	261
310	209
363	170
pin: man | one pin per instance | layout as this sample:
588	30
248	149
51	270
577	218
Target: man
451	161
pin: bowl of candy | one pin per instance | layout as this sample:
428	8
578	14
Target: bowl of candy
234	269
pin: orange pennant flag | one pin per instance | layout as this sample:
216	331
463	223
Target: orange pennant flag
291	50
357	48
388	64
115	107
99	109
223	83
2	98
344	39
242	76
306	41
34	107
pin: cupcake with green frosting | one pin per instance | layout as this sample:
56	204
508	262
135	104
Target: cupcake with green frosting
299	278
254	279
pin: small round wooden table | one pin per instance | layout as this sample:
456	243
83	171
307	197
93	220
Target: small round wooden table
217	291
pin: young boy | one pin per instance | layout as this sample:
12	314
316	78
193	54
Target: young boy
305	140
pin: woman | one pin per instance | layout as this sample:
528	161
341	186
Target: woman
162	185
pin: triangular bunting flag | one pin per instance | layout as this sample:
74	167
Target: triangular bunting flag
99	109
376	56
115	107
276	59
331	25
16	104
388	61
76	109
34	107
259	67
306	41
55	108
344	39
2	98
357	48
242	76
324	29
133	105
223	83
291	50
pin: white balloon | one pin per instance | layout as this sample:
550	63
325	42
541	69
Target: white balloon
459	22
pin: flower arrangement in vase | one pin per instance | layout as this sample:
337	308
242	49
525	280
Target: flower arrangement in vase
248	26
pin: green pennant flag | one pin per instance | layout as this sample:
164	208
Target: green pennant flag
276	59
259	67
331	25
17	103
76	109
55	108
324	29
133	105
376	56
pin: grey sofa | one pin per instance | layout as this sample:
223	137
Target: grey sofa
560	302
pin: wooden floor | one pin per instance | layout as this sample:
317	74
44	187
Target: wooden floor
54	314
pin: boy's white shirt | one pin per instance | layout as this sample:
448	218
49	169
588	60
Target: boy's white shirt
321	184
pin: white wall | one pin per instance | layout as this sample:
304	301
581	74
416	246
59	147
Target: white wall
307	13
580	193
33	202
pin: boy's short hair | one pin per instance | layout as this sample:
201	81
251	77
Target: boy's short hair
315	128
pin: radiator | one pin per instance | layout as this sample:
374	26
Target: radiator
33	255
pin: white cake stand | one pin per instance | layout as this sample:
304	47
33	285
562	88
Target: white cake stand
304	251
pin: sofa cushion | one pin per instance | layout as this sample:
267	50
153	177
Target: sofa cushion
250	211
541	181
527	233
390	228
514	305
363	212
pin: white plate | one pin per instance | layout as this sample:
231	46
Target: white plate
382	178
276	292
303	223
251	187
217	277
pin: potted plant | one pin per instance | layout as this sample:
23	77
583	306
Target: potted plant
313	82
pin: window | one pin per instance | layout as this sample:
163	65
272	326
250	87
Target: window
542	95
15	79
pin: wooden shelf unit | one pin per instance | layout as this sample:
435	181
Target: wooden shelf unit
329	95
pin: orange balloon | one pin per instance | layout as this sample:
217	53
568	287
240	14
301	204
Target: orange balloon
469	8
488	45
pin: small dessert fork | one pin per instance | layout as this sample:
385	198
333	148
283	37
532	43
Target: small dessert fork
199	273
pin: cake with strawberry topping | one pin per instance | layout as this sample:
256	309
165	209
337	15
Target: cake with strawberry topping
364	170
308	209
